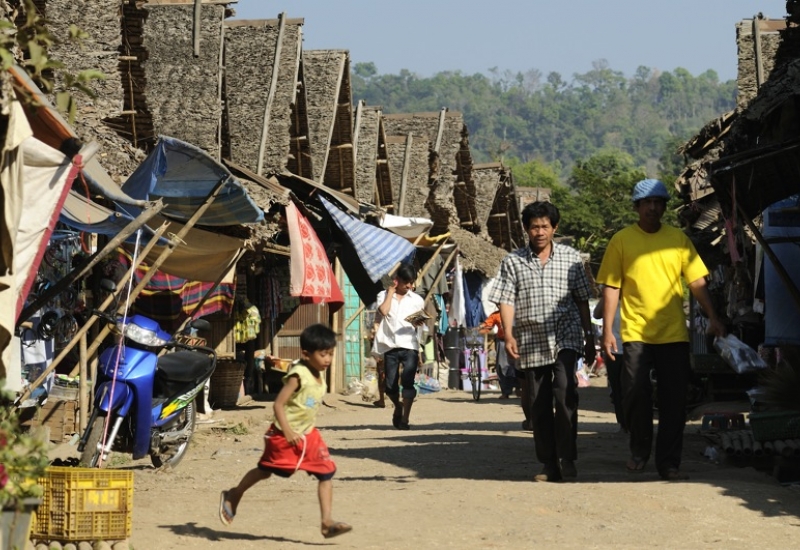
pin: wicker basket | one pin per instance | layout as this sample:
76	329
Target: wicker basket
775	425
225	384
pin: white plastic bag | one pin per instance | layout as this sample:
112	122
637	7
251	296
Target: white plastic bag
738	355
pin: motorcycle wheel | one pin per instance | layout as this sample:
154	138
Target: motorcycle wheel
90	457
174	455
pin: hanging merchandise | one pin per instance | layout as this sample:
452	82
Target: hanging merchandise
248	323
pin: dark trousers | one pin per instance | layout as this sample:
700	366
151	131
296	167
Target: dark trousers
391	365
553	403
614	373
673	371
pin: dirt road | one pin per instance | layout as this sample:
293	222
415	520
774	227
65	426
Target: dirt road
460	478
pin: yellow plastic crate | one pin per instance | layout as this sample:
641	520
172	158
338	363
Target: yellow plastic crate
84	504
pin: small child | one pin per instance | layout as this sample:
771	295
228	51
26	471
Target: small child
294	443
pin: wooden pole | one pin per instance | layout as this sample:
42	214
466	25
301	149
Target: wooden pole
404	176
776	263
441	273
271	95
83	387
89	323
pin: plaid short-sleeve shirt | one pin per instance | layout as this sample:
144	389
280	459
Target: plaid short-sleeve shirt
546	318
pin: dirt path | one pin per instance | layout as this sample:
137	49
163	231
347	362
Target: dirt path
459	479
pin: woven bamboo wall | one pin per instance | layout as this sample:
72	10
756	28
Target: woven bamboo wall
99	51
416	195
250	54
183	90
367	155
322	76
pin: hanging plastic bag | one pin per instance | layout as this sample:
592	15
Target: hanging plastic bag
741	357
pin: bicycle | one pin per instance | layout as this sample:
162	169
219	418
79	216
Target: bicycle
476	358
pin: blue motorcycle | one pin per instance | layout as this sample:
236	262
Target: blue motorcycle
146	404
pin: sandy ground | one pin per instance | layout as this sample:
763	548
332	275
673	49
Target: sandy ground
460	478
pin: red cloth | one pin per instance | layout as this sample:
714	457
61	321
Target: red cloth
279	455
310	269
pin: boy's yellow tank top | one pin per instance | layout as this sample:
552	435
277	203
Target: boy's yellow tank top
302	407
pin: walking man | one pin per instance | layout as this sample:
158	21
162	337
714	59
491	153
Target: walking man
642	268
543	294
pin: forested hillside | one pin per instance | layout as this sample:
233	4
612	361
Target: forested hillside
529	117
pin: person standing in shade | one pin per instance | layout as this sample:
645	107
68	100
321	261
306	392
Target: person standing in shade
613	365
397	341
504	366
642	269
543	293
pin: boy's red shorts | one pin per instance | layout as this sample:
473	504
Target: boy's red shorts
282	459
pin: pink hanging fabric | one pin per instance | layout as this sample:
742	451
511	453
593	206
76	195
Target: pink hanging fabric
310	270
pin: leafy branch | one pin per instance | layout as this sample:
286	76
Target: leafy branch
28	44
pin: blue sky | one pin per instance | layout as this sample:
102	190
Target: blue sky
473	36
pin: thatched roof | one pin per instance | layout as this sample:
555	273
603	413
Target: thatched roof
758	154
100	51
373	182
758	42
326	75
408	164
477	252
183	88
254	97
497	205
445	132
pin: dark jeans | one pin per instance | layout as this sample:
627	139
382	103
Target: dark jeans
555	430
614	373
392	360
673	372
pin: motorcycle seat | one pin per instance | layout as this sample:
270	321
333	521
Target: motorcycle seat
184	366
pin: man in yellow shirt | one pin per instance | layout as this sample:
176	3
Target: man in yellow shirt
642	268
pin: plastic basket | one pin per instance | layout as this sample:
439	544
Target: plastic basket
84	504
775	425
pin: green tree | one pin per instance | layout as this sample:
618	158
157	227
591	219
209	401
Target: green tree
597	202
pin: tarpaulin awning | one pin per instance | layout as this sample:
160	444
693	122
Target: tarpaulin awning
35	181
184	175
408	228
378	250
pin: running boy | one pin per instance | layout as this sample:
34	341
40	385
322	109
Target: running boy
294	443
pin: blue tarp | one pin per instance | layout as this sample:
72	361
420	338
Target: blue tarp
378	250
183	175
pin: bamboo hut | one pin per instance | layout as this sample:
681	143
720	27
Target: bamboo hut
372	175
409	168
265	128
444	132
326	75
497	205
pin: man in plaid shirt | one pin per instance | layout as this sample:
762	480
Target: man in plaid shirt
543	293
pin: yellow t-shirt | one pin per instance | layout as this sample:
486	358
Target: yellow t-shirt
301	408
647	268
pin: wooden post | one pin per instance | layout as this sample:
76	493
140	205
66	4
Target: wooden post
779	269
196	24
271	95
83	387
441	273
404	175
759	61
89	323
